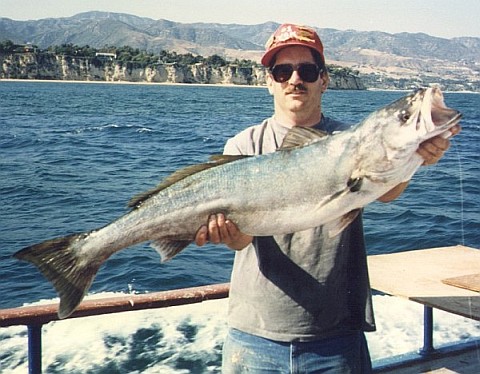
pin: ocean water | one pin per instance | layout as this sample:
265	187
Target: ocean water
73	154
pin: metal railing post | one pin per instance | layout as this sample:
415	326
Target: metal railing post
427	331
34	349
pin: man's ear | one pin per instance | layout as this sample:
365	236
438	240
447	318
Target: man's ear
325	81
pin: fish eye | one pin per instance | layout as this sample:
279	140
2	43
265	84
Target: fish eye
404	116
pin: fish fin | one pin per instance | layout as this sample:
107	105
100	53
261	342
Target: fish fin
57	260
299	136
169	248
340	224
183	173
225	159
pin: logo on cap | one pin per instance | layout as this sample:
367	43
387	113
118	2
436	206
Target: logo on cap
289	32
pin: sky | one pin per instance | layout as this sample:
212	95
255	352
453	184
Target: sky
443	18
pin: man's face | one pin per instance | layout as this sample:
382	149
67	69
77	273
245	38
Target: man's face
295	98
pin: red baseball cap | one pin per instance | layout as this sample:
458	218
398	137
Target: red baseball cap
290	34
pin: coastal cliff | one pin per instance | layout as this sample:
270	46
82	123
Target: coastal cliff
49	66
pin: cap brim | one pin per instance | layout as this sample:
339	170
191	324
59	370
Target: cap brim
267	57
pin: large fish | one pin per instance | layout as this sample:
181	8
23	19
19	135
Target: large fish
312	180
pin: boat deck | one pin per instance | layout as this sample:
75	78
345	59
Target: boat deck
446	278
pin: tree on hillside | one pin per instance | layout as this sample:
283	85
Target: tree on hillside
7	46
215	60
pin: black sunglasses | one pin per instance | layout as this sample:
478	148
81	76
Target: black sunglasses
308	72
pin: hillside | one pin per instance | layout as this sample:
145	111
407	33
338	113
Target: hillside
126	64
383	60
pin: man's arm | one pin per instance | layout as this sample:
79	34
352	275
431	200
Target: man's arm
432	151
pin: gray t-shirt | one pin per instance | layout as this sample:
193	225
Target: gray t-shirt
302	286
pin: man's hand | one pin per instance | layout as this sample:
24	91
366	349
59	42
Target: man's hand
432	150
221	230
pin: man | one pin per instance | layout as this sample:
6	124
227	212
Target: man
298	302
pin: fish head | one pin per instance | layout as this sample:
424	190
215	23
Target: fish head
417	117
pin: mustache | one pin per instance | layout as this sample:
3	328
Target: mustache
297	87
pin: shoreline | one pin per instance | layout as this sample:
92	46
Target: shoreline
131	83
226	85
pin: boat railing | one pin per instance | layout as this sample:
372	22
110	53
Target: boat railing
34	317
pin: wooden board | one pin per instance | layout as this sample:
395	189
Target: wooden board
465	306
468	282
418	275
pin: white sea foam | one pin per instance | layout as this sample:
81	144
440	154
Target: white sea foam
189	338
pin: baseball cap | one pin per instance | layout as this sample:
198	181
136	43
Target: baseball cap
290	34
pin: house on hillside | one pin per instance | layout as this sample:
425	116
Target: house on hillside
105	56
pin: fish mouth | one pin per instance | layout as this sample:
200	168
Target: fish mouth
437	116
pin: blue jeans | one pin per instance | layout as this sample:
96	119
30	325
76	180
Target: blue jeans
245	353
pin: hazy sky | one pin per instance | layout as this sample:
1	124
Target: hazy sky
444	18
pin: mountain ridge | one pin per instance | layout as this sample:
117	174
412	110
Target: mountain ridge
381	58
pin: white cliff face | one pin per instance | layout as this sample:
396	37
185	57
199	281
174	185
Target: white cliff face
51	67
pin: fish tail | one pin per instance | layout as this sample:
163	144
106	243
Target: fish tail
59	261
